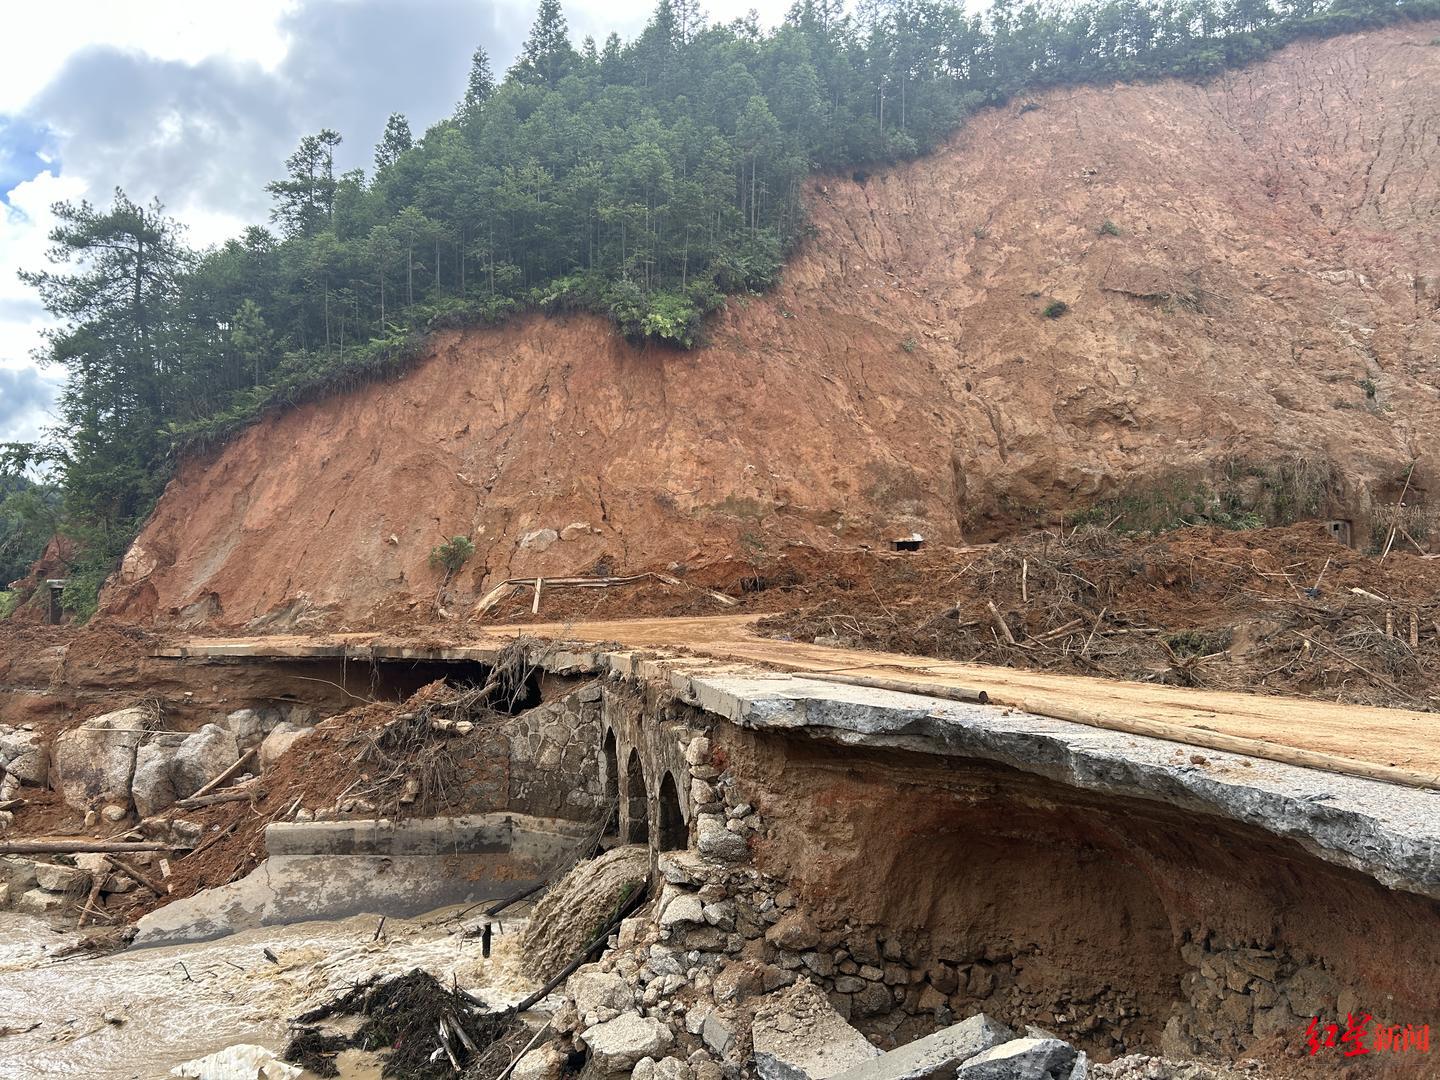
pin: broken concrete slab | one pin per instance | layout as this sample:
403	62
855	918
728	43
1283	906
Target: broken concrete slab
1387	831
943	1050
1021	1059
798	1035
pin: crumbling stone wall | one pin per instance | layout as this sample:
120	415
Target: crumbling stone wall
554	755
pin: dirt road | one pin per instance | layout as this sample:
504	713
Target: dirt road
1386	737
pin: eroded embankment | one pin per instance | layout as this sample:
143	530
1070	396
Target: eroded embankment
1121	923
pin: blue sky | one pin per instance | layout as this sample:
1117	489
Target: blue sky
198	102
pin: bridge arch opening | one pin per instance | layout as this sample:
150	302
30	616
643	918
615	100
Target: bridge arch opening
612	787
637	802
674	834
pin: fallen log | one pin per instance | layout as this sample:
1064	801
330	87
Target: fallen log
81	847
237	794
137	876
233	770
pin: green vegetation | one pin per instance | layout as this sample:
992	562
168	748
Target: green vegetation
9	601
27	519
452	555
1109	228
1246	495
909	343
643	181
1055	309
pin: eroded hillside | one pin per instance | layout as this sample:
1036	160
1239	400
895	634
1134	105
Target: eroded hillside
1251	292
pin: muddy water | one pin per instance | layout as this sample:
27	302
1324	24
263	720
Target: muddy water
185	1001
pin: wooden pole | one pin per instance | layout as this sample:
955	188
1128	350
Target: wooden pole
137	876
233	770
1000	623
79	847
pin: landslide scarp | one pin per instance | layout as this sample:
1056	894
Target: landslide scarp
1133	292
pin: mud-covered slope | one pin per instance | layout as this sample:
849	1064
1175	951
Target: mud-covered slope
1272	298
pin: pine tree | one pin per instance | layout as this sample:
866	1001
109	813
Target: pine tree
306	197
480	87
393	143
547	56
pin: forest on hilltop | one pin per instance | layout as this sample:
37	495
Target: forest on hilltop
640	180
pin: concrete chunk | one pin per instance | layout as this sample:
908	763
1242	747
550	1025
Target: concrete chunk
943	1050
1021	1059
798	1035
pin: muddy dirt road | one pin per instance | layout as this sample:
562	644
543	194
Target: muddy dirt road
1380	736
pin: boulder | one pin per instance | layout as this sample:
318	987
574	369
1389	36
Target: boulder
798	1035
545	1062
151	788
597	991
172	767
936	1054
38	902
1021	1059
98	757
251	726
202	757
575	530
718	842
683	910
539	539
615	1046
281	738
52	877
24	756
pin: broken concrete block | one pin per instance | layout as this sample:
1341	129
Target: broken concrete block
98	756
798	1035
615	1046
1021	1059
943	1050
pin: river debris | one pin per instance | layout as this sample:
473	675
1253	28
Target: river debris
429	1031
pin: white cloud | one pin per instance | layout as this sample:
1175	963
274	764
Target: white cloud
198	102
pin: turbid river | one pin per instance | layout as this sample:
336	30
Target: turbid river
135	1015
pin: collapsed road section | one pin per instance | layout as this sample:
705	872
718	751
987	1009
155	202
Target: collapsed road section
911	860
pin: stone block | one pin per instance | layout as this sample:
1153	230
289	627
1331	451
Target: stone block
798	1035
937	1054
